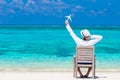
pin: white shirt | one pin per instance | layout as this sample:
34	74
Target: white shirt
81	42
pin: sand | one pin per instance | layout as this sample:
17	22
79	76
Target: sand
12	75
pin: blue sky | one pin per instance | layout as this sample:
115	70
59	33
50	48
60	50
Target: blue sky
84	12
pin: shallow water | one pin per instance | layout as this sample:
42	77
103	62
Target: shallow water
37	46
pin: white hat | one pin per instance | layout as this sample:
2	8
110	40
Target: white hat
85	33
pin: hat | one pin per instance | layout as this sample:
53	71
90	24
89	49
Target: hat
85	33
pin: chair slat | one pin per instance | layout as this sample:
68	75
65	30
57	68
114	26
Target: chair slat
84	66
84	61
85	53
85	58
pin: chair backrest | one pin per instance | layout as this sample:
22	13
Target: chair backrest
84	54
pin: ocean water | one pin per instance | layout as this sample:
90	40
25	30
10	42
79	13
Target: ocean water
51	46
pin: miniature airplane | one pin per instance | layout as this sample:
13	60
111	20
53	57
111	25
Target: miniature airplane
69	17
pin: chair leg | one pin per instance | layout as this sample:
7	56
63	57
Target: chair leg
93	70
76	72
74	68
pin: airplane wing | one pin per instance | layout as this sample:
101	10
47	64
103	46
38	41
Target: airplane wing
66	16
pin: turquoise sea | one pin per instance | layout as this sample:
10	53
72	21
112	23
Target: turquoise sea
51	46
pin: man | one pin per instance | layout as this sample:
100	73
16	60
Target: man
87	40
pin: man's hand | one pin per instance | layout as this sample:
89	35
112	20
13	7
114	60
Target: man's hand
66	22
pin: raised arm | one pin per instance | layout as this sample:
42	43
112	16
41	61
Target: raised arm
95	39
76	39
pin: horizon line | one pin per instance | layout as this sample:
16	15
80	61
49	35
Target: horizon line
61	24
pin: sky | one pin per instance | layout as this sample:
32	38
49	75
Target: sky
84	12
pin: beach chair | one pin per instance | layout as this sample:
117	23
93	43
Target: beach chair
84	58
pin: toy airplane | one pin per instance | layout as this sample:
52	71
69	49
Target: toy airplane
69	17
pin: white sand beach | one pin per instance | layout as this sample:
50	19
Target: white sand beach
55	76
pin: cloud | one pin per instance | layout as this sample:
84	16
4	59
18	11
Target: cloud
93	12
14	7
2	2
17	4
30	6
53	7
30	2
3	7
58	8
45	7
101	12
11	11
42	7
46	1
78	8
